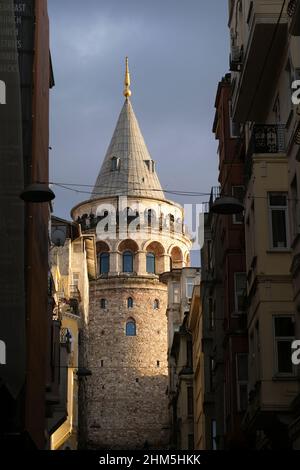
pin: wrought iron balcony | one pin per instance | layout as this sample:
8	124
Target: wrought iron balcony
265	139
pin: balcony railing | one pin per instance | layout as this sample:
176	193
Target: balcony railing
265	138
268	138
74	292
214	194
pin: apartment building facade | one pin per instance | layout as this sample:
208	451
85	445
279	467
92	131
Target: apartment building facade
264	62
180	283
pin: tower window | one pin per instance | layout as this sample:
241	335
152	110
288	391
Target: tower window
156	304
127	262
130	328
104	263
115	164
103	303
150	263
130	302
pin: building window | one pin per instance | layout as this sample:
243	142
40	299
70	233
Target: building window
156	304
75	279
190	401
130	302
115	164
150	263
242	381
234	126
214	434
103	303
189	287
240	285
278	217
127	262
176	293
238	193
189	354
130	328
104	263
284	333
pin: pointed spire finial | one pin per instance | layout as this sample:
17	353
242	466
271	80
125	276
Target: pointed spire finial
127	91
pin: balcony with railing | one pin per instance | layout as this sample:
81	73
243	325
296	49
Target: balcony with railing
265	139
265	26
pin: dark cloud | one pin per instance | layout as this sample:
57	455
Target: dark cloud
178	51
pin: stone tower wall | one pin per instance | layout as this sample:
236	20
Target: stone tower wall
126	394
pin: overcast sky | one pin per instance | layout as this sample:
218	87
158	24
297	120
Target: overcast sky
178	51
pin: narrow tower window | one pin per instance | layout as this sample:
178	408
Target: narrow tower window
104	263
127	262
130	327
103	303
156	304
130	302
115	164
150	262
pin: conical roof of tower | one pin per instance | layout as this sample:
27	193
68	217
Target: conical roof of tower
127	169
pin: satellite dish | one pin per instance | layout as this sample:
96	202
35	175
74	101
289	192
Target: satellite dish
58	237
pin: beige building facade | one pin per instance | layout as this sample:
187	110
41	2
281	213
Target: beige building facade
73	263
180	284
265	61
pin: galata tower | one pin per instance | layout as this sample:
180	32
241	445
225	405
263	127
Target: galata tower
140	234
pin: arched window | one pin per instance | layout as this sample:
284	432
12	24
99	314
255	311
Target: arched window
130	302
130	327
104	263
103	303
156	304
150	263
127	262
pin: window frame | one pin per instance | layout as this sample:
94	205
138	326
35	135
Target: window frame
234	216
101	257
177	284
150	256
277	208
130	321
236	309
277	339
129	302
189	282
115	164
126	253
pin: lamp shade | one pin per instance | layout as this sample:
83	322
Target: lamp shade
37	192
227	205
